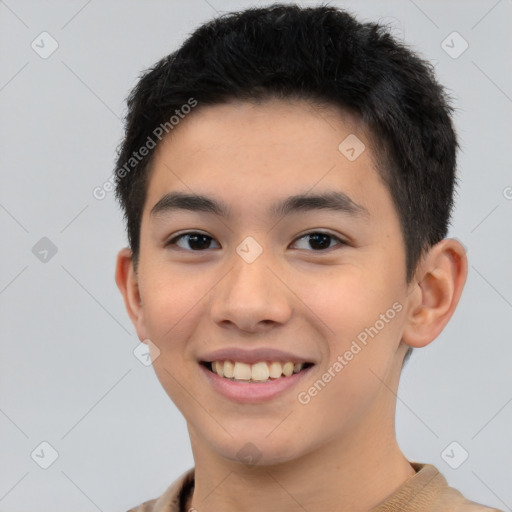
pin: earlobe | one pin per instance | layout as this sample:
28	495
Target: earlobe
127	283
440	280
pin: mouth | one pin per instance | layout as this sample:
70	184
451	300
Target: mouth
262	372
257	383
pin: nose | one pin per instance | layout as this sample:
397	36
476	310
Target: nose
251	297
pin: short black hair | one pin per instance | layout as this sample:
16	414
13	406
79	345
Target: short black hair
324	55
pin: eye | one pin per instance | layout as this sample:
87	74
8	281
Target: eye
320	240
197	241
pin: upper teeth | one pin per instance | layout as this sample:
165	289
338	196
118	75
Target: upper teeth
259	371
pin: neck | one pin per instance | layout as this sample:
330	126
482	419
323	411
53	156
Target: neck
354	471
347	474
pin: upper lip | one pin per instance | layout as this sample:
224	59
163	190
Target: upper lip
253	356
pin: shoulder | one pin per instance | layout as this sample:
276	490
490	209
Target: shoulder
428	491
147	506
449	498
170	500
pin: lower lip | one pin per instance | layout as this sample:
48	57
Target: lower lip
248	392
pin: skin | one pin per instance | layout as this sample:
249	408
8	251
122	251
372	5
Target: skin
339	451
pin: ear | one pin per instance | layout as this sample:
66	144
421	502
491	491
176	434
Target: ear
437	287
127	282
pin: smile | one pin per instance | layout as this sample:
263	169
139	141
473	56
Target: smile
260	372
253	383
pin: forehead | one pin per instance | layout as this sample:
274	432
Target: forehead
250	153
282	124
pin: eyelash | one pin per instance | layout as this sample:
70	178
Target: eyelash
188	233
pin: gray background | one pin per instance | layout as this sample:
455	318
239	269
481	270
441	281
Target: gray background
68	375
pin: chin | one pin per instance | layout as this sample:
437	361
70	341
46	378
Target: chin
259	450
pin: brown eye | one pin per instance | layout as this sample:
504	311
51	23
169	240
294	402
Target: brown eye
196	241
320	241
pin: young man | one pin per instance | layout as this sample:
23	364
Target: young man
287	179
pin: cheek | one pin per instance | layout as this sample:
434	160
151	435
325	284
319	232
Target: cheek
171	308
171	299
362	315
361	354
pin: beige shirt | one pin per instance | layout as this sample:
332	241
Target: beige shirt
426	491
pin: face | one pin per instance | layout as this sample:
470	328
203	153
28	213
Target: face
320	279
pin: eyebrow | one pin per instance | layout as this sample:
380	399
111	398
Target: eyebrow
334	201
